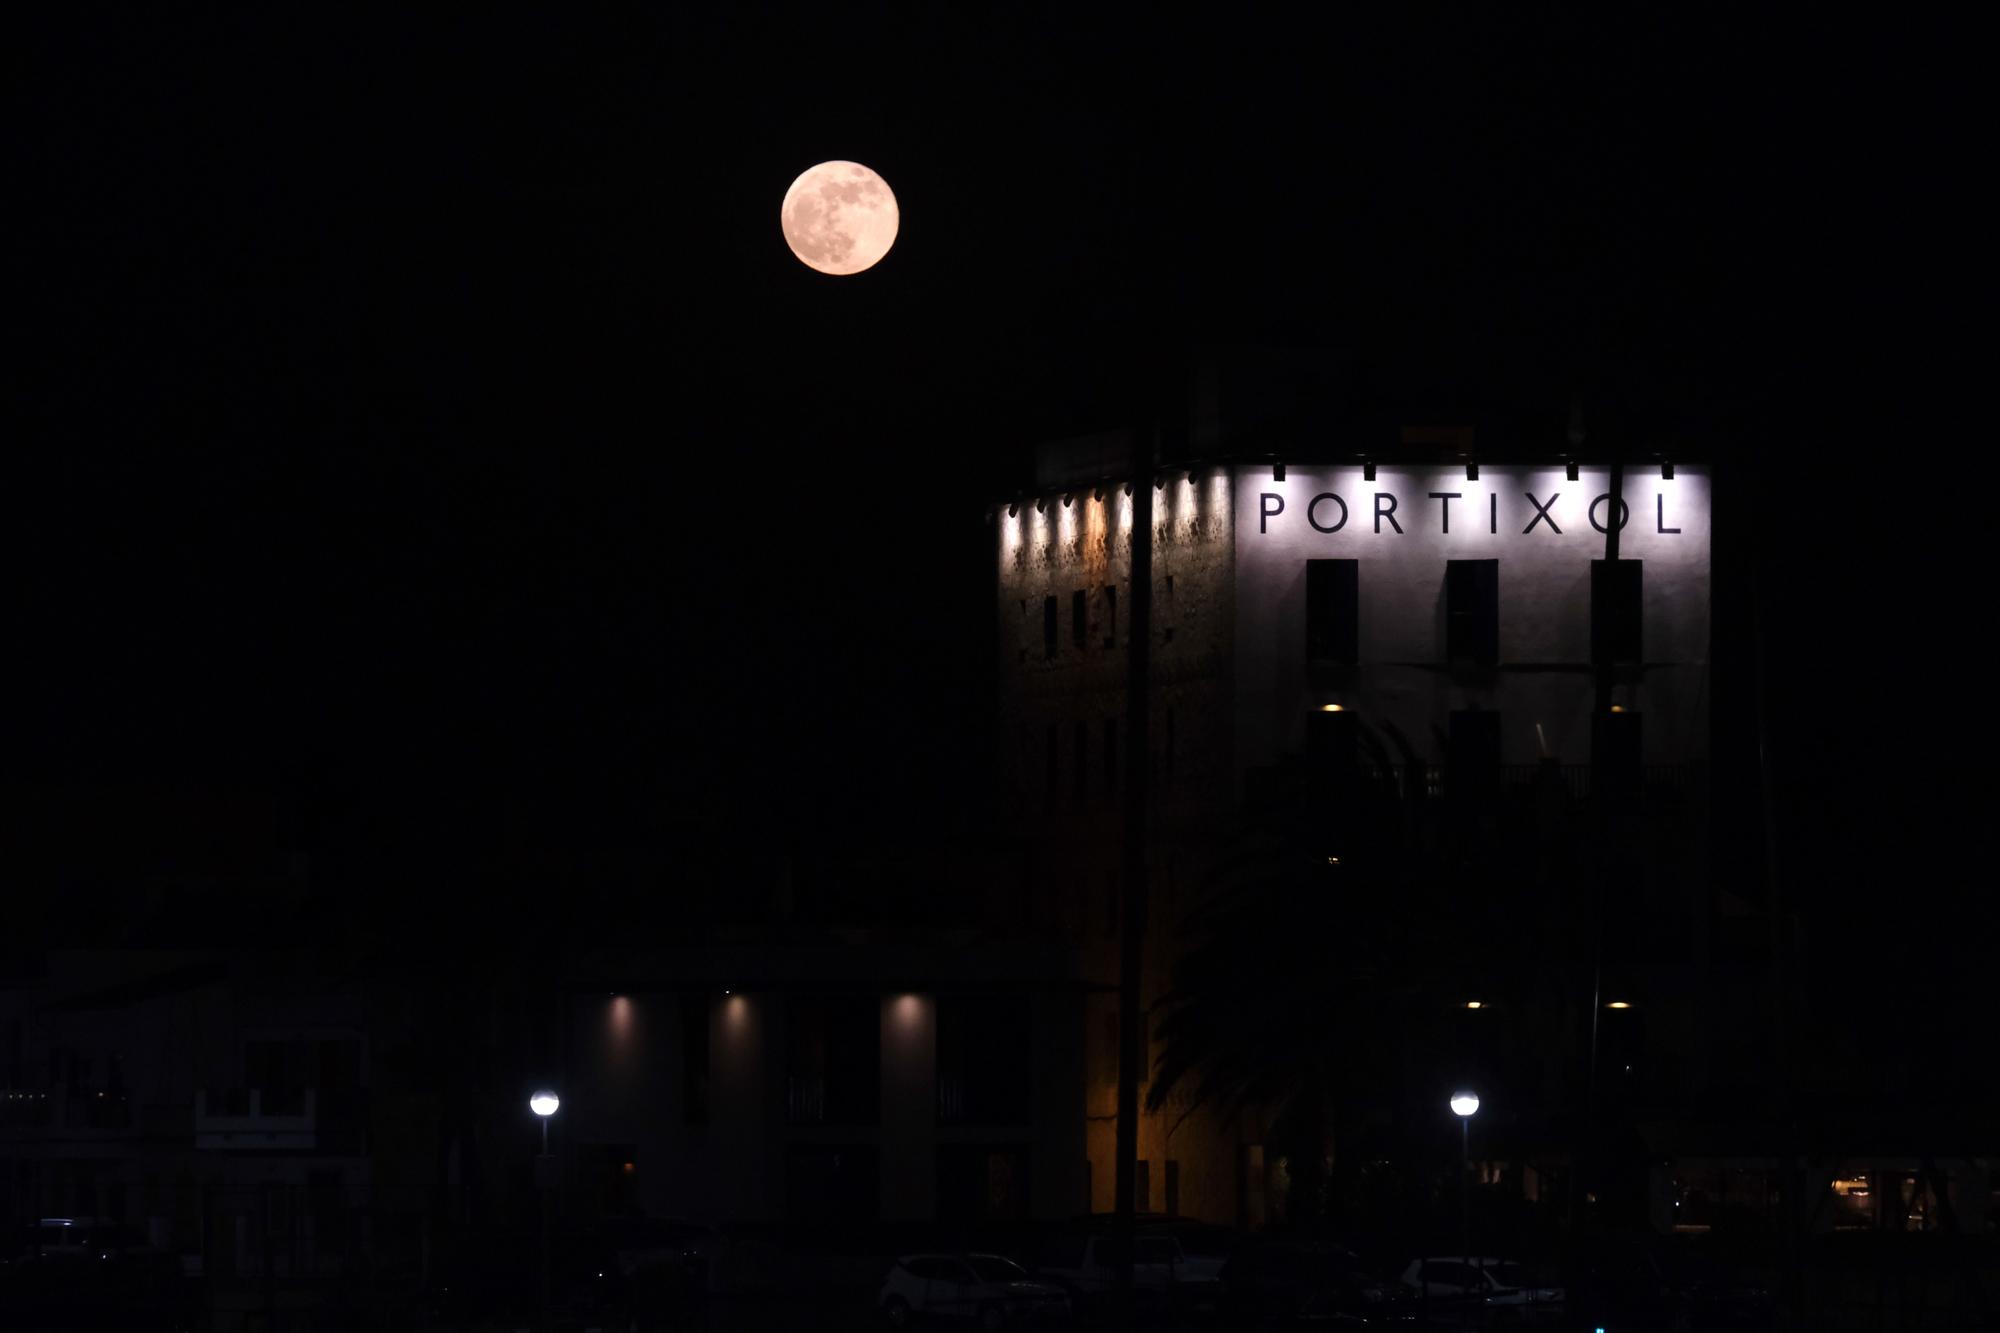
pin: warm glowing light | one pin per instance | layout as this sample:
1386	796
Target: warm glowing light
839	218
628	1167
1333	860
1331	708
1618	708
1473	1004
1464	1103
1619	1004
544	1103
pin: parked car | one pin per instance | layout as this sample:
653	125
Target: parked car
1659	1284
1088	1262
988	1291
1275	1285
1501	1285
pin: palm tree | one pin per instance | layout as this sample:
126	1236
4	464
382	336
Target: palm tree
1280	1005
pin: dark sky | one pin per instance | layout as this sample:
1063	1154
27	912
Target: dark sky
421	419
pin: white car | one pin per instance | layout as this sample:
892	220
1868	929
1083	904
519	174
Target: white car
1500	1283
987	1291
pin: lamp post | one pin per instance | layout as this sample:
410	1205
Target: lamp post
1463	1104
544	1104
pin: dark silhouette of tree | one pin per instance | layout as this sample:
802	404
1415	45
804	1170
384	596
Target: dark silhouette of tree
1283	1004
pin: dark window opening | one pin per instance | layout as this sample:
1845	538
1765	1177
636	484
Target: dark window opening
610	1178
978	1182
1332	611
1079	619
1110	617
1472	612
1474	761
1616	615
985	1059
1617	745
1330	749
694	1058
833	1060
1052	776
829	1182
1049	626
1082	734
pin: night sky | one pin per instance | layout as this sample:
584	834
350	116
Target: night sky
420	421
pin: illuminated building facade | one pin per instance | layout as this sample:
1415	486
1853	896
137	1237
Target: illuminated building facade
1413	628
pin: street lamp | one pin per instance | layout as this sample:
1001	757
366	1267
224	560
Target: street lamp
1463	1105
544	1104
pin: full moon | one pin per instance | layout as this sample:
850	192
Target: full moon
839	217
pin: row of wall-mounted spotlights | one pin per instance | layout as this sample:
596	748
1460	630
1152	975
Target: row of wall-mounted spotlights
1570	468
1098	494
1570	471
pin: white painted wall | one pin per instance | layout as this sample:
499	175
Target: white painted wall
1544	605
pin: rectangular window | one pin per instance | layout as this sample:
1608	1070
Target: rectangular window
694	1058
1330	748
1332	611
1082	732
1473	770
1617	754
1049	627
833	1060
1110	616
1472	612
1616	598
1110	755
1079	619
985	1059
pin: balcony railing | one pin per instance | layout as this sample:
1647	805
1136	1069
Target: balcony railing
65	1108
805	1099
26	1108
256	1119
1432	782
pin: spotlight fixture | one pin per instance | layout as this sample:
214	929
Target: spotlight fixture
1472	472
1277	472
1041	504
1368	470
1128	490
1569	470
1666	470
1193	477
1014	509
1067	497
1098	495
1160	482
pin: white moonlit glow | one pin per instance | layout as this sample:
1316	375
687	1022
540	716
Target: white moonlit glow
839	218
544	1103
1464	1103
